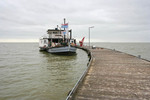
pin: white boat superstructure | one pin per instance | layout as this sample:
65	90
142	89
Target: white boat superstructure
58	40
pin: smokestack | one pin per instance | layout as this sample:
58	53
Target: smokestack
71	34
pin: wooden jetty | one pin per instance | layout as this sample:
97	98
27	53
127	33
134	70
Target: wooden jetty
114	75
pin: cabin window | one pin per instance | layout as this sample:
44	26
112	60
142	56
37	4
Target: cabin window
50	32
45	42
54	32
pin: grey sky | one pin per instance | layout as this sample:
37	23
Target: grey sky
114	20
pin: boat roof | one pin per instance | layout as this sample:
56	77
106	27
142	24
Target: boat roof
54	38
56	29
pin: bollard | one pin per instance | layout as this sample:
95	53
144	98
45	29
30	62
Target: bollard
139	56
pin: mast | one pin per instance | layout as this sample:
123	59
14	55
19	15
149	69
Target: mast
64	30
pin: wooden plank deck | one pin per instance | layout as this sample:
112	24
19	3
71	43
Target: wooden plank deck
115	76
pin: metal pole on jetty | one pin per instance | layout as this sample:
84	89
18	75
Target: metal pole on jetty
89	35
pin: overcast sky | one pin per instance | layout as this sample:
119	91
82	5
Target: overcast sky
113	20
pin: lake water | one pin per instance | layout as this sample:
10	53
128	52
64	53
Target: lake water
28	74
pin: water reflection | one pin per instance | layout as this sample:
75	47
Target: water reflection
62	72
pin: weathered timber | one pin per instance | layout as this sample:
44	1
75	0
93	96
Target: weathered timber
115	75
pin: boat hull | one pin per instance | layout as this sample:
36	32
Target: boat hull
42	49
66	49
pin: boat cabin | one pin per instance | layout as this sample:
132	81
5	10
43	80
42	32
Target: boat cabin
56	38
55	33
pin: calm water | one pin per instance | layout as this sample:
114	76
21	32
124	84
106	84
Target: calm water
135	49
27	74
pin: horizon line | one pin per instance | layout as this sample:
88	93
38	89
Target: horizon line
78	43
